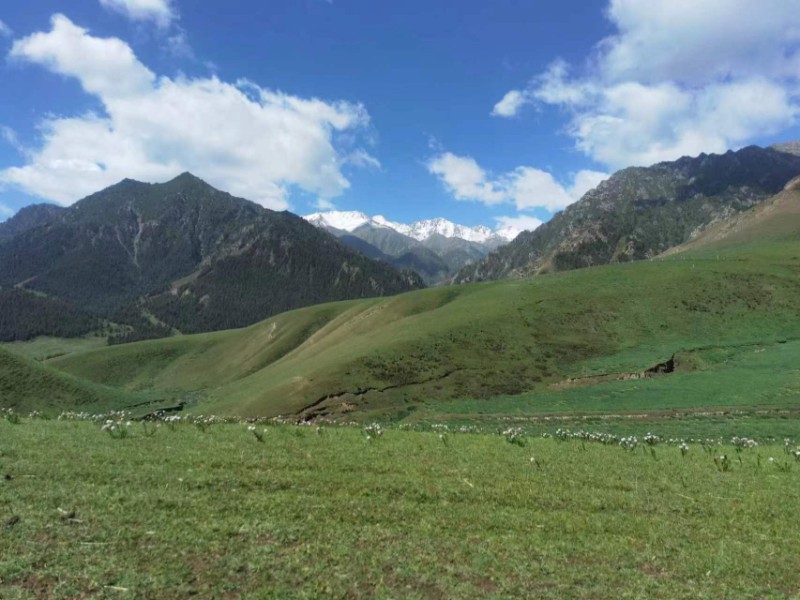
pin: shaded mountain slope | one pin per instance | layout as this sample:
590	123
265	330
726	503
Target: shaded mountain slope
25	315
183	255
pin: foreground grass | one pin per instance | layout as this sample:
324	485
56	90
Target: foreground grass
408	514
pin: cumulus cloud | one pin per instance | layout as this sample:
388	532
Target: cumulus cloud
510	104
323	204
525	187
5	30
679	77
695	42
105	67
586	180
511	227
160	12
251	141
464	179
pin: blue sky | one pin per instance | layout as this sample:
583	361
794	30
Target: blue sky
484	112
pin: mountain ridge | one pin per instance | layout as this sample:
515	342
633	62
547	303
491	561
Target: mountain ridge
184	256
434	248
418	230
640	212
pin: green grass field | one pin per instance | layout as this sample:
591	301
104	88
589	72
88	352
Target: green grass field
45	348
216	514
388	358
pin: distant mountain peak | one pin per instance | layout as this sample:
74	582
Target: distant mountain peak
187	177
419	230
640	212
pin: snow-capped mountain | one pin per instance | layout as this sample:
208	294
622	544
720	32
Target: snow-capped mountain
436	249
420	230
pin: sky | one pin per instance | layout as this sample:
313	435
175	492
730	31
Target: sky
484	112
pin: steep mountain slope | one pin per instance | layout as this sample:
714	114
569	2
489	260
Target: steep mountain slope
25	315
28	218
426	263
641	212
435	248
391	356
183	255
774	220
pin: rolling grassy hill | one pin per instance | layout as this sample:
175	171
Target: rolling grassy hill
27	385
475	341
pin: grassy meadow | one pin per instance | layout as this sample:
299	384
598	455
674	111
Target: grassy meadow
389	358
443	503
212	512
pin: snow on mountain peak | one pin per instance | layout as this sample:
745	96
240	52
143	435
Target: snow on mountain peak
419	230
344	220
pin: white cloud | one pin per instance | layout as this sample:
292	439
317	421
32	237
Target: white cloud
5	30
178	45
680	77
695	42
323	204
511	227
531	188
585	180
250	141
160	12
361	158
105	67
464	179
510	104
5	212
525	187
10	137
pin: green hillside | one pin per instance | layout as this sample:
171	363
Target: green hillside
389	357
26	385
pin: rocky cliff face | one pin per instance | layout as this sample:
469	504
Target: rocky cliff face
641	212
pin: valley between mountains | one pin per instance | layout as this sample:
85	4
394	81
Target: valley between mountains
688	260
611	404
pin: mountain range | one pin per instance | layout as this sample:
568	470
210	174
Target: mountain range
149	260
722	310
140	260
419	230
641	212
435	248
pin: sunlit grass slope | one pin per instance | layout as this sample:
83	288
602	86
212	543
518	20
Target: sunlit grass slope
386	356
